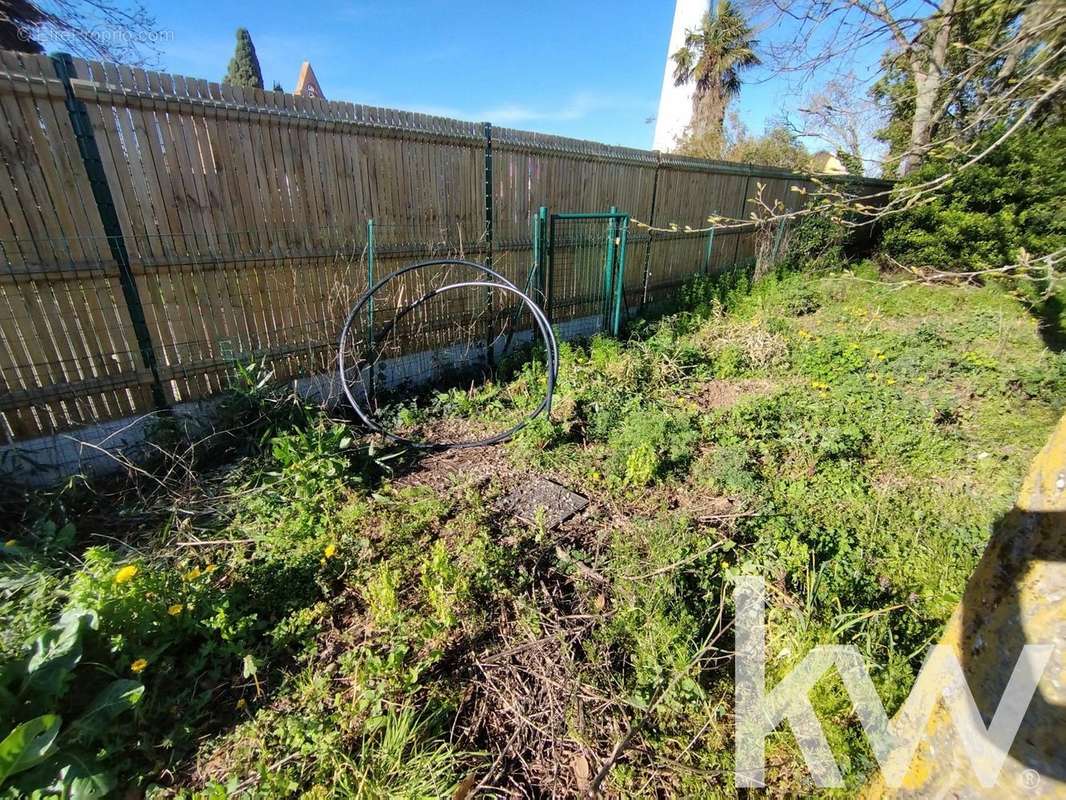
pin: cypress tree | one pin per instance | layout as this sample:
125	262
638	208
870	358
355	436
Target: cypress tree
244	66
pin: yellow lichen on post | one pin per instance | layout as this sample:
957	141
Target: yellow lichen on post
1016	596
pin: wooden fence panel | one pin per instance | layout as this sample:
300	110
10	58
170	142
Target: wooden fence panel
243	214
68	355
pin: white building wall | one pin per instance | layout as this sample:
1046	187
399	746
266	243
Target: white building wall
675	102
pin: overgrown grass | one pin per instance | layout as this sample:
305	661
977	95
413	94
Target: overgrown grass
319	616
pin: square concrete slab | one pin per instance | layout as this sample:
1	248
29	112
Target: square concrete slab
527	501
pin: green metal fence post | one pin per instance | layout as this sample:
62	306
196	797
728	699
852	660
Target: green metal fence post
541	255
369	285
549	295
105	204
651	224
370	276
744	207
488	192
608	268
490	353
623	238
707	252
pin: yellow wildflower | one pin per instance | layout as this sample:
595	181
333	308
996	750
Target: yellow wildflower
139	665
209	569
192	574
890	381
126	574
175	609
330	551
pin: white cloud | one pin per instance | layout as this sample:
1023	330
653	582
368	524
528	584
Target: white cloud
579	106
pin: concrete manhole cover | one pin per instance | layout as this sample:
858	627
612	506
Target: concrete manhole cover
542	498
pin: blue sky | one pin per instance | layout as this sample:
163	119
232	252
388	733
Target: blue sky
581	69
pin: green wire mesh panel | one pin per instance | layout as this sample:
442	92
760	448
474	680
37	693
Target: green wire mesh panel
577	270
586	258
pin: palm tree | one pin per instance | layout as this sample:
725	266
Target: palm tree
714	55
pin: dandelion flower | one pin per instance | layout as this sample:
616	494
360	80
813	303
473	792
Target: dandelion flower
139	666
126	574
209	569
175	609
330	551
192	574
890	381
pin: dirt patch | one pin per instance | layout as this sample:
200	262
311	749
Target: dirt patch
721	393
455	469
529	705
449	470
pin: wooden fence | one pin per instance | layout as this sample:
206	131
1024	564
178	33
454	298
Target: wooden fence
156	228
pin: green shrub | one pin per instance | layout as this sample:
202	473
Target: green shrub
814	243
990	211
648	443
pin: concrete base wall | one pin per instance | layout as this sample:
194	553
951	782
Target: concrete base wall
107	447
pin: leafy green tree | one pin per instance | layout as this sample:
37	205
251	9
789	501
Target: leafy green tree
971	66
852	163
991	211
713	57
777	147
244	66
953	68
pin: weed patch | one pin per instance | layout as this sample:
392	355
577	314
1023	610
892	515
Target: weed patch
324	616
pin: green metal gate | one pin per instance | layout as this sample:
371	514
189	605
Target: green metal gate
579	264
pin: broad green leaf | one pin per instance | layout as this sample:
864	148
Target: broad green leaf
114	699
70	774
84	779
28	744
55	654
